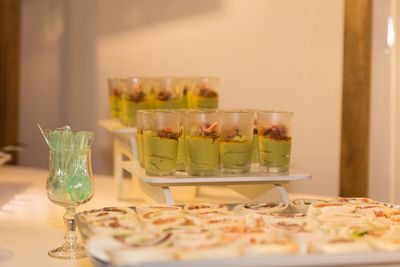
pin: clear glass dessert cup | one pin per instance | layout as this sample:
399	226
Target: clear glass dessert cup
115	96
237	141
169	93
274	140
181	156
205	93
254	152
136	95
141	117
202	137
69	185
160	142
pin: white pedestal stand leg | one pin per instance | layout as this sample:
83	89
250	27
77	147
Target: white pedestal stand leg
282	191
155	194
169	198
261	192
118	172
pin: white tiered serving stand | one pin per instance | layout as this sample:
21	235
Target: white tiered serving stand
254	185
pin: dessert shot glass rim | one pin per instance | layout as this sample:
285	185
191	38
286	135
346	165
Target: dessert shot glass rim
203	111
163	111
113	78
144	110
201	77
119	81
236	110
275	111
130	78
153	110
180	110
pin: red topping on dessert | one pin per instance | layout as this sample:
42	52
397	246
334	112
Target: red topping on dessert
208	130
168	133
233	135
165	95
207	92
276	132
136	96
115	92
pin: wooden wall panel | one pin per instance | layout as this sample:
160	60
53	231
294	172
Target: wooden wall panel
356	98
9	71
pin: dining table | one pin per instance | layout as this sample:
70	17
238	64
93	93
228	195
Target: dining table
31	225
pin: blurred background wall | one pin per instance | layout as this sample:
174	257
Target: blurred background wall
384	167
270	54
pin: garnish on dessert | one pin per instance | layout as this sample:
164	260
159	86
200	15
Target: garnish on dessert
207	92
115	92
168	133
233	135
207	130
165	95
202	149
137	95
276	132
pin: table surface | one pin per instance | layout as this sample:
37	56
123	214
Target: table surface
30	224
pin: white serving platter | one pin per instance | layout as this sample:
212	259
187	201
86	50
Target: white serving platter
360	259
183	179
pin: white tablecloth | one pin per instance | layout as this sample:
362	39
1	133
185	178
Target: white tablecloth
30	224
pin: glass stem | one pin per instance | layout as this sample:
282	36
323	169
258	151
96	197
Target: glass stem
70	224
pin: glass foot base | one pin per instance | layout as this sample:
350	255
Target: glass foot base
274	170
68	252
235	171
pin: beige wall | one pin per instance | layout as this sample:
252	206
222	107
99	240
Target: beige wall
274	54
384	168
42	38
396	90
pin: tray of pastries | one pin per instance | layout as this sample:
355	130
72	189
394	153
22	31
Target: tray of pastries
304	232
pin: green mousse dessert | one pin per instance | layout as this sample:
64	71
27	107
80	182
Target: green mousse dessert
189	100
235	153
202	151
254	151
274	146
131	103
115	103
167	100
140	148
181	157
206	98
160	152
